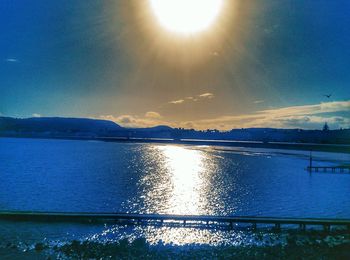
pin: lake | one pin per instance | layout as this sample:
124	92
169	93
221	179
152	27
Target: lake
91	176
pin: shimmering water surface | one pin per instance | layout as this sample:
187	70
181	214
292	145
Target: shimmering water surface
61	175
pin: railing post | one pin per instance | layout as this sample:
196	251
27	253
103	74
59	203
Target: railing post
277	226
254	226
326	227
310	161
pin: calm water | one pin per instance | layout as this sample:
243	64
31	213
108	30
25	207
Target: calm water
60	175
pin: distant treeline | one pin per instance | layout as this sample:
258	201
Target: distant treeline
52	127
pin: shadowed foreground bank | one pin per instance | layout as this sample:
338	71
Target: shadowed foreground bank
313	246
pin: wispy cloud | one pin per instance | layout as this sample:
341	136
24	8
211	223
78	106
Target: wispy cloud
324	107
36	115
11	60
150	119
206	95
203	96
124	120
152	114
179	101
259	101
192	98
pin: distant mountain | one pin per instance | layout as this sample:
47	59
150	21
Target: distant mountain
51	125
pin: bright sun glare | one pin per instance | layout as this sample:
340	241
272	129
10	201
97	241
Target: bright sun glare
186	16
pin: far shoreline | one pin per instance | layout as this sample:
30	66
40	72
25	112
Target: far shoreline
336	148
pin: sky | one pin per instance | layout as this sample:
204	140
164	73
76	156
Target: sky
259	64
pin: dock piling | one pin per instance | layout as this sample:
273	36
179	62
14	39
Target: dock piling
277	227
254	226
326	228
310	161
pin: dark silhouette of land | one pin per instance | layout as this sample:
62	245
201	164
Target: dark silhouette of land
84	128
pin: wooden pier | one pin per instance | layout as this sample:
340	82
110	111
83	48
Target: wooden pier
203	221
334	169
329	168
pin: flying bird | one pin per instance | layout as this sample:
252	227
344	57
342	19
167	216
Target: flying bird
328	96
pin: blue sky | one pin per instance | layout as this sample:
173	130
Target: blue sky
264	63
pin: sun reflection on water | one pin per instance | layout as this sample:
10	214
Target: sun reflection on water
180	180
186	169
181	188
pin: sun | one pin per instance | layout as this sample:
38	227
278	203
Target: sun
186	16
